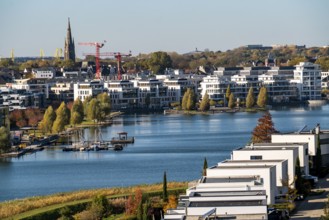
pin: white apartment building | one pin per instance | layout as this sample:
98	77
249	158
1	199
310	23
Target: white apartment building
152	93
302	152
269	153
267	174
307	79
239	197
215	87
123	94
178	86
88	88
62	91
281	169
310	138
44	73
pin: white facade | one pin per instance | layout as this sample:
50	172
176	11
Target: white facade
267	176
280	165
269	153
90	88
307	77
302	152
43	73
123	94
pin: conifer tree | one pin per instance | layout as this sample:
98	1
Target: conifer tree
231	101
164	188
205	103
228	93
318	156
205	166
190	100
4	140
62	118
250	101
262	97
184	100
48	120
265	127
298	178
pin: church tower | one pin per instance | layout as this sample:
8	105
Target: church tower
69	48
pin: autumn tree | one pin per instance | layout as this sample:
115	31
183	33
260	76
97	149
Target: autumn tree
133	202
48	120
77	113
171	204
250	101
105	105
164	188
205	103
231	103
188	101
262	97
86	104
4	140
94	110
62	118
264	129
17	118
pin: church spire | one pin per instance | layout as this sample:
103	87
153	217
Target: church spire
69	49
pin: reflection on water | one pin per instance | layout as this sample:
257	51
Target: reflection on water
177	144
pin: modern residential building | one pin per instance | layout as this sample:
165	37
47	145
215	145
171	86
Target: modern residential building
311	138
240	197
269	153
89	88
281	169
123	94
307	79
266	173
62	90
44	73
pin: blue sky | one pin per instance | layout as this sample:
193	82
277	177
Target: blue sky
145	26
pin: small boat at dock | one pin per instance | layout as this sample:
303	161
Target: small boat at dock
122	139
118	147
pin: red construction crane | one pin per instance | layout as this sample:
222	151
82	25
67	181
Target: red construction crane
118	56
98	46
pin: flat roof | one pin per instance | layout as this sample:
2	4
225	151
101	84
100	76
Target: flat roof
230	193
255	148
242	167
279	144
251	161
229	179
226	203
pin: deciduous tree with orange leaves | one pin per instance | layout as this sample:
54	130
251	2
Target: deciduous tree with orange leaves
264	129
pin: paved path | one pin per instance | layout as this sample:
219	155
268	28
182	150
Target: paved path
312	207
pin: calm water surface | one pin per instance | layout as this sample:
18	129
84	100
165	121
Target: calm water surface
176	144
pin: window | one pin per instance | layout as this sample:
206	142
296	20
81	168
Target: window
256	157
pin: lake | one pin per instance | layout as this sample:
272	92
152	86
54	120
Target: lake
176	144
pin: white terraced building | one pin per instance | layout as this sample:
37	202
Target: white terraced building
280	165
240	197
266	173
269	153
